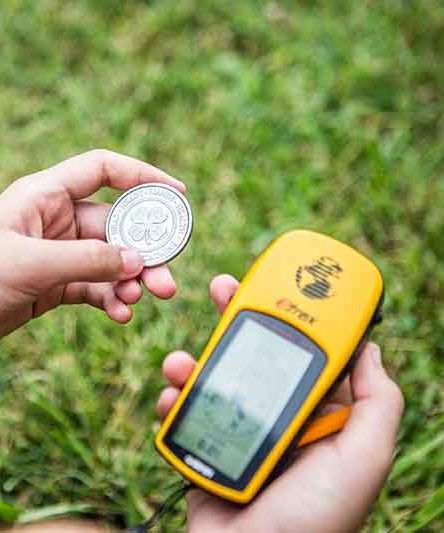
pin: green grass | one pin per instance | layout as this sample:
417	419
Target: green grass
318	114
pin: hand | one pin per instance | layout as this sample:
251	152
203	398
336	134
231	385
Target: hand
332	483
52	246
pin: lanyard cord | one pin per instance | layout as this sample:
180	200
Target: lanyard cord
164	508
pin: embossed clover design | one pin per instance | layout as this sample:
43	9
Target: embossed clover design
149	224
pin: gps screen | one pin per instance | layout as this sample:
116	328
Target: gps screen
242	398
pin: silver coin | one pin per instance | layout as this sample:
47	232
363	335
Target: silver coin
154	219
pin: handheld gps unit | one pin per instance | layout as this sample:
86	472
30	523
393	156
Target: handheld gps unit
290	334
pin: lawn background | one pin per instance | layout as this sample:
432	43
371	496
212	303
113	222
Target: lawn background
316	114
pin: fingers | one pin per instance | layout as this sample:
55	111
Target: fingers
57	262
91	219
159	281
376	415
116	309
167	399
129	291
113	299
100	295
45	263
85	174
222	289
177	368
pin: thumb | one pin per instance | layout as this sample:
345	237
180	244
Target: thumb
42	264
376	415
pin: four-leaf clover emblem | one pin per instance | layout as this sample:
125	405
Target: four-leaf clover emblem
149	224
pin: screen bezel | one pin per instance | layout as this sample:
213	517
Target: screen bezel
293	405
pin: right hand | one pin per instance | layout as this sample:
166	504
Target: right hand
333	483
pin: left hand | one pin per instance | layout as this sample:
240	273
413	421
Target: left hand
52	246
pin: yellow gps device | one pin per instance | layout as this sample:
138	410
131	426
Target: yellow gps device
290	334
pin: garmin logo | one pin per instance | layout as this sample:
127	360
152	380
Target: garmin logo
284	304
199	466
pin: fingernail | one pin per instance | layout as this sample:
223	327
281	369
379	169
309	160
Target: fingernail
132	262
375	353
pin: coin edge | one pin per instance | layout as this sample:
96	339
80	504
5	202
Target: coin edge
187	207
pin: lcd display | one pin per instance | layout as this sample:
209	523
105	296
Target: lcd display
240	401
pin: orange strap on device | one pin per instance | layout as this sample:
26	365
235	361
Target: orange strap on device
325	425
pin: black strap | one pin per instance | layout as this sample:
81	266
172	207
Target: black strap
164	508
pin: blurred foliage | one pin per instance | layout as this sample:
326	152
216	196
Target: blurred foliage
327	115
